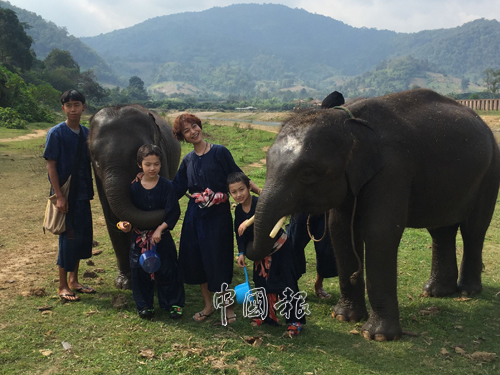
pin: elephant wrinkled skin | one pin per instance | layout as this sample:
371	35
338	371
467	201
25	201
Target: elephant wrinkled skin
116	133
412	159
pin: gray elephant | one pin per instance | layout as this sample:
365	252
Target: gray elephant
115	135
412	159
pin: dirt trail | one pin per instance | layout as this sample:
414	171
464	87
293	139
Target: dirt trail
37	134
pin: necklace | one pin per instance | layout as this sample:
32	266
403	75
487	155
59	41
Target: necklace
204	151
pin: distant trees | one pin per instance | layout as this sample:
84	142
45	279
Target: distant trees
492	80
15	44
136	90
464	84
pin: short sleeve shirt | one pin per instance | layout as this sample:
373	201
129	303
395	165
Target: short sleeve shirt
61	146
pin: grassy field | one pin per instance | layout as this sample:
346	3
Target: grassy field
107	337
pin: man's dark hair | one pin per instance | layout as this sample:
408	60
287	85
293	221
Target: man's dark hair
238	177
74	95
333	100
146	150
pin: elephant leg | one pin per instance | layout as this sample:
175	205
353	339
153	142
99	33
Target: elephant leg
444	272
381	252
473	233
351	306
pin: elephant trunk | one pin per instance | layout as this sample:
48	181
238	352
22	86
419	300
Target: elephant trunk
117	189
267	214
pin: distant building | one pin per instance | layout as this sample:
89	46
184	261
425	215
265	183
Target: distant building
246	109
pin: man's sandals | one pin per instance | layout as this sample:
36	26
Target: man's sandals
69	297
85	289
200	317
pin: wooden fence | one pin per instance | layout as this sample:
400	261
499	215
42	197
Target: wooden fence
482	104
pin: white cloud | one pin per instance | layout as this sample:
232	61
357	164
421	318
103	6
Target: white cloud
92	17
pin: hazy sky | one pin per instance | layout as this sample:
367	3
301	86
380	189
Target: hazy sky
92	17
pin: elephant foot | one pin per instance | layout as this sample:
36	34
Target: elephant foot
433	288
348	312
123	282
469	289
381	330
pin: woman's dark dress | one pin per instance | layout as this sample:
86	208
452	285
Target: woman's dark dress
167	278
282	271
206	253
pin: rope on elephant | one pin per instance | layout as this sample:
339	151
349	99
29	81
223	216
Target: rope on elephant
354	277
309	230
344	109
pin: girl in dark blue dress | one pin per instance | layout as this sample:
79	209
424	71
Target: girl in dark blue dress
276	272
154	192
206	254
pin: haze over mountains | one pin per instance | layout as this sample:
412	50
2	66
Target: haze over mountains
250	47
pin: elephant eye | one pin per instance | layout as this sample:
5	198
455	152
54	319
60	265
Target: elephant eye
309	175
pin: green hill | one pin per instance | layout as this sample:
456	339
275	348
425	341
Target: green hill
230	49
47	36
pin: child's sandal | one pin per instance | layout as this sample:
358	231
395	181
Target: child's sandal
256	322
175	312
294	329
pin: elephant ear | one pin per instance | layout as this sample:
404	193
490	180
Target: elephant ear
365	159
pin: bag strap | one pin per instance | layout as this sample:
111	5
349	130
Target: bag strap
73	185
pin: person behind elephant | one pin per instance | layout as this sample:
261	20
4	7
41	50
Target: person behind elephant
326	265
67	155
275	272
154	192
206	250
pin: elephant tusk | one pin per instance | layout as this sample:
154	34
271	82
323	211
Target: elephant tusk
277	227
250	221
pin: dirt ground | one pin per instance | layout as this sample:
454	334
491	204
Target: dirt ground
36	134
492	121
27	255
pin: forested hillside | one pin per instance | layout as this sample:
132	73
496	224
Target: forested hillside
271	47
47	36
272	53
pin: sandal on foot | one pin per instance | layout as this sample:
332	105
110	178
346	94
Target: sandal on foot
69	297
86	289
146	313
175	312
322	294
294	329
256	322
201	317
230	320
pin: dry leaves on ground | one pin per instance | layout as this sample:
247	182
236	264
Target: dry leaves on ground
431	310
147	353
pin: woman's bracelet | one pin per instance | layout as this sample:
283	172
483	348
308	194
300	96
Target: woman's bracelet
240	254
118	225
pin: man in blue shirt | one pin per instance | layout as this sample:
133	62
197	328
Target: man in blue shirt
63	143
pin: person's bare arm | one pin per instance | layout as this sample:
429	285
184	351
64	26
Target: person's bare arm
62	203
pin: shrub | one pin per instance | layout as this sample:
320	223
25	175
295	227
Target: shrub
10	119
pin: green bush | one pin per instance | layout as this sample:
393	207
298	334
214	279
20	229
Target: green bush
10	119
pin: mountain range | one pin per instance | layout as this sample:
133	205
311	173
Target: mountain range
269	47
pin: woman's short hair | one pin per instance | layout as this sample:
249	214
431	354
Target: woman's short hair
238	177
184	119
146	150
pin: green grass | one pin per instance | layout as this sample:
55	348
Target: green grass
109	340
